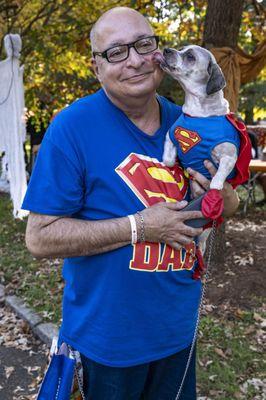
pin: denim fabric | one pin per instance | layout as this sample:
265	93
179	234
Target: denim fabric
157	380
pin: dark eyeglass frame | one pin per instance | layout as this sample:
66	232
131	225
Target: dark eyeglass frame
128	45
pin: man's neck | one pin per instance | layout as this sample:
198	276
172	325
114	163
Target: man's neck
143	112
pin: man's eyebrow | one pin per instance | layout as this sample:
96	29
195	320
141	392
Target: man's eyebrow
119	43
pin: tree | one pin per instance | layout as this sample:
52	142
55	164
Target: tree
222	23
56	48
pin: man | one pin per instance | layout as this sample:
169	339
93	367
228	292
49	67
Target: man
130	303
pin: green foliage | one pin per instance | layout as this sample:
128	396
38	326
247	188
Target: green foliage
252	96
56	47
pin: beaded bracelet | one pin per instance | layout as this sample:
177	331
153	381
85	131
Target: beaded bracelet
142	227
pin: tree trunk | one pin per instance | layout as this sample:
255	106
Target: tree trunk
249	116
222	23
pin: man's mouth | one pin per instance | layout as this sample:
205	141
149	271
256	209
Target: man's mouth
138	76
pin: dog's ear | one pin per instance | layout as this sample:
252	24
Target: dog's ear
216	80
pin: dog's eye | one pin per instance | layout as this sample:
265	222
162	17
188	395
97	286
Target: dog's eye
190	57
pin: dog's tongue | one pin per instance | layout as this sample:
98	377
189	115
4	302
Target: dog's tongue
158	57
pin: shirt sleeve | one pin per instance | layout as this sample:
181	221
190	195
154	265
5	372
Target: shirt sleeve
56	184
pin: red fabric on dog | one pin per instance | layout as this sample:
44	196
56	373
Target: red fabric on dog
244	157
212	204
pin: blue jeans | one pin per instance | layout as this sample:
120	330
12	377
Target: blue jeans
156	380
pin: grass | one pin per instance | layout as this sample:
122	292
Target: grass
37	281
229	354
229	351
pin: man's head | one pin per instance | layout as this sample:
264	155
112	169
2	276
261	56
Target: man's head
137	75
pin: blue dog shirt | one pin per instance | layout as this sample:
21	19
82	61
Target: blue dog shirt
195	138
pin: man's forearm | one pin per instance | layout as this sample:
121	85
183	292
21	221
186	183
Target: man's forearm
69	237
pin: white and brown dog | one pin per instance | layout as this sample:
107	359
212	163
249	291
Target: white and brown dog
203	130
203	120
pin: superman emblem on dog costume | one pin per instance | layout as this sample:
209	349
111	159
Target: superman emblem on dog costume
195	138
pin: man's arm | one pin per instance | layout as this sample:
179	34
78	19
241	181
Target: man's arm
53	236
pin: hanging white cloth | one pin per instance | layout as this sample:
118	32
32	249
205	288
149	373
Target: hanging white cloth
12	123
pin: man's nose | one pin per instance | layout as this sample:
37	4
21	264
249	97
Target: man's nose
134	58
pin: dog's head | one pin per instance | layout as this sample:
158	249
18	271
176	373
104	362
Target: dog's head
194	67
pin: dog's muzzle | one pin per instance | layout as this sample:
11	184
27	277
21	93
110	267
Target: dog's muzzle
171	58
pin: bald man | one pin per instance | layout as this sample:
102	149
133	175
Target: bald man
101	198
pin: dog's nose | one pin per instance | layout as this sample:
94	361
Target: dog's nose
167	51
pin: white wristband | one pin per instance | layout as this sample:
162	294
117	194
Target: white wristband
134	235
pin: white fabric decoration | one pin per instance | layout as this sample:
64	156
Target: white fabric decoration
12	123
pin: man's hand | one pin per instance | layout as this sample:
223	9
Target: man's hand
199	185
164	222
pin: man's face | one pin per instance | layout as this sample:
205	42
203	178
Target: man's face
138	75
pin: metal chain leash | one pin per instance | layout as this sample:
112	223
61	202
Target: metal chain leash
201	304
77	374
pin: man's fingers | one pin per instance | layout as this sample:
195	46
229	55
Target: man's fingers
204	182
175	245
181	240
178	205
196	189
191	215
210	167
189	231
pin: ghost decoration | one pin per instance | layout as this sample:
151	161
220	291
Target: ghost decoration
12	124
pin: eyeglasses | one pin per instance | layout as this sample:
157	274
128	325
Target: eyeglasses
121	53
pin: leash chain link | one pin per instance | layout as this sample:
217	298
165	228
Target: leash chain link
202	302
80	383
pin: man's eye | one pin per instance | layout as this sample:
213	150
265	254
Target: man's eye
116	52
146	43
190	57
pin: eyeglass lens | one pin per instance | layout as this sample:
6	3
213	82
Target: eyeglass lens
142	46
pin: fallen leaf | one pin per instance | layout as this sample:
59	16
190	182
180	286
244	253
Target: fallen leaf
219	352
9	371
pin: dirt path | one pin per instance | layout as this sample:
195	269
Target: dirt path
241	282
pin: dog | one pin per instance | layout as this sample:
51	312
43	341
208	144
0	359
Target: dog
203	130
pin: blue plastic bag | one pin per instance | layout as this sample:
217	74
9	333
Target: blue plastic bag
57	382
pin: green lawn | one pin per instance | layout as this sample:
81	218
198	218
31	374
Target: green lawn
229	351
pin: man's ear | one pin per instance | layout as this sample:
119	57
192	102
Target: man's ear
95	68
216	80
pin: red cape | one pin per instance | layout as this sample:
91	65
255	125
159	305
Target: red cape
244	156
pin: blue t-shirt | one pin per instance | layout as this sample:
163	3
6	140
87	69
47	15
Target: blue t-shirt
196	137
137	303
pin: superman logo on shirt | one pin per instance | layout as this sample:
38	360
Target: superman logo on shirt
187	139
153	182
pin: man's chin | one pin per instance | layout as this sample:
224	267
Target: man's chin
141	88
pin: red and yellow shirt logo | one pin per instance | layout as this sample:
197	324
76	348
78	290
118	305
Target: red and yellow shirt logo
153	182
186	139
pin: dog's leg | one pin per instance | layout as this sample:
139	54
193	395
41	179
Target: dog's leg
170	152
225	154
